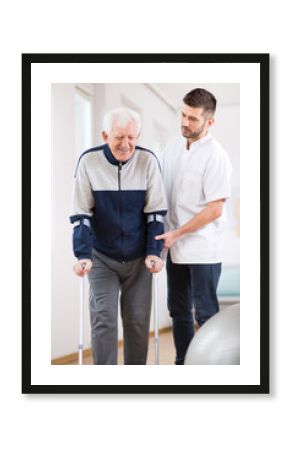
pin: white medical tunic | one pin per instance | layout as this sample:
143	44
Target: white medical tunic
192	179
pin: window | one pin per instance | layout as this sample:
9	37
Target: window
83	122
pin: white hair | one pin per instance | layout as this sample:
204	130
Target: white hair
121	117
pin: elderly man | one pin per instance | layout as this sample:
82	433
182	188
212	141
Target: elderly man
118	209
197	182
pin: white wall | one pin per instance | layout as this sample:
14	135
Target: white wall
152	109
227	131
64	286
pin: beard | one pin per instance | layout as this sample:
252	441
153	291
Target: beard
193	135
187	133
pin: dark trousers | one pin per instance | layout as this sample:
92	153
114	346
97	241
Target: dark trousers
190	287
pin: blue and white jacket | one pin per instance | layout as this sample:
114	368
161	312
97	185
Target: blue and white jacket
118	208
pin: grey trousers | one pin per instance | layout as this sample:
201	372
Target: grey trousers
133	280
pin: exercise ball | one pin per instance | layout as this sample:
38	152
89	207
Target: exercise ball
218	340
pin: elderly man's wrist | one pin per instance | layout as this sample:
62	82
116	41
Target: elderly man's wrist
84	257
153	253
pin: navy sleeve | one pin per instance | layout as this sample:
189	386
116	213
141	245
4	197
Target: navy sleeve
82	237
155	227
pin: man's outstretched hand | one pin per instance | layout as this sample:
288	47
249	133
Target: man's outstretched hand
169	238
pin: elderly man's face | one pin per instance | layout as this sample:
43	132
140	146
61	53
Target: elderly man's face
122	140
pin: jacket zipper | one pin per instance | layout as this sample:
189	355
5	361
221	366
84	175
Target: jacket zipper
120	208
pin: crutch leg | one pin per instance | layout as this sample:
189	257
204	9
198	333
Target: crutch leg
81	318
156	334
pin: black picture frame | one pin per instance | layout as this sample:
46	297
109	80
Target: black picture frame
263	61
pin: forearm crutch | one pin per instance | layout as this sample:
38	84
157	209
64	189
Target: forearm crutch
155	306
81	323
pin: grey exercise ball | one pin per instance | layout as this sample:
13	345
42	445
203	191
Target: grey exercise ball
218	340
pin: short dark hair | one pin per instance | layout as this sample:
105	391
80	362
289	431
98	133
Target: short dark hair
201	98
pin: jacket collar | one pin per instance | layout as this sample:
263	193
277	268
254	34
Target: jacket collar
111	158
